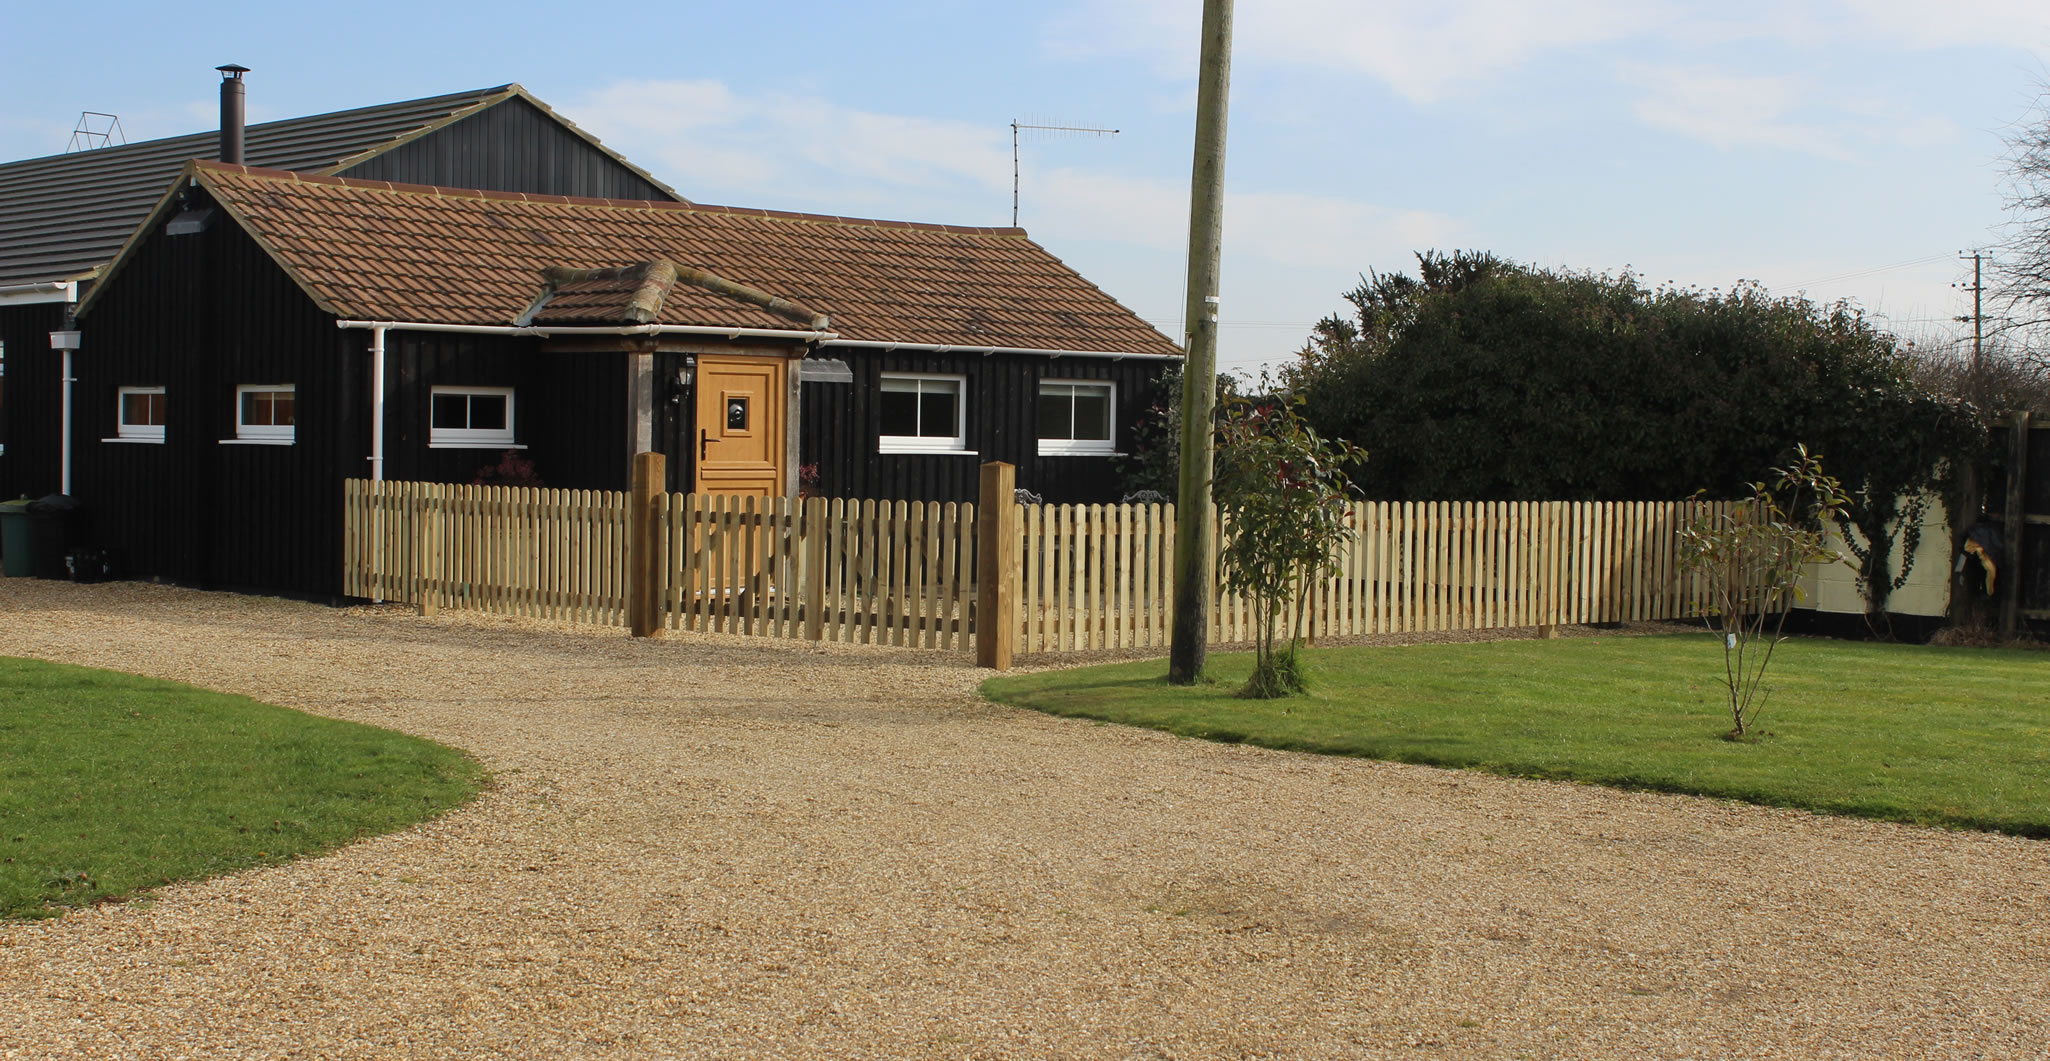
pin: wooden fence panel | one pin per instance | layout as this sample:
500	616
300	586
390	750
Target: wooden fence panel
1091	576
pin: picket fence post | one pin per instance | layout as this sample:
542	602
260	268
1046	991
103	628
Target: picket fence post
996	567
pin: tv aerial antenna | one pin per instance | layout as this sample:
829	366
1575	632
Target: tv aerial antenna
1049	130
95	130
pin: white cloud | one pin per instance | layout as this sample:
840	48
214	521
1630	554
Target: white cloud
1422	51
1727	110
1302	230
1430	52
777	145
762	151
2020	24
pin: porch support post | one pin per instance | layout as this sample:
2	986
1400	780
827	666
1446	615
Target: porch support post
644	556
996	567
793	418
640	402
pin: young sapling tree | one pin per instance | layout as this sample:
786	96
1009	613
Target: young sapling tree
1749	558
1282	493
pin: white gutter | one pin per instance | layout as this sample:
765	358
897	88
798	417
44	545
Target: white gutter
811	336
43	291
945	348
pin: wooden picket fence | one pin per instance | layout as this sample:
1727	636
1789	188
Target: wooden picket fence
875	572
1085	577
549	554
1099	576
878	572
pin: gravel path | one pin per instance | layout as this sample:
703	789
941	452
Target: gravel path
713	848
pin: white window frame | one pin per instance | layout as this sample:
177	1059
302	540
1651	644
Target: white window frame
466	437
956	443
265	434
1084	447
127	432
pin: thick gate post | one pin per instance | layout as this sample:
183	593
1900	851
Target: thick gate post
996	567
644	560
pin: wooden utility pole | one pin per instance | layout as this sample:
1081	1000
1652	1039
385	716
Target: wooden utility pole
1194	575
1963	610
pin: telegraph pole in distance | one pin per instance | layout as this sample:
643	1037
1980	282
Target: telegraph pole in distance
1964	609
1194	575
1978	318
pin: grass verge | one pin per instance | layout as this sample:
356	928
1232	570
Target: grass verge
111	784
1938	736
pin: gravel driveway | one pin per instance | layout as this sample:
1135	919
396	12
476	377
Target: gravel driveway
714	848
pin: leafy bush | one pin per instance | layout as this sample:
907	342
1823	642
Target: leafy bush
1483	379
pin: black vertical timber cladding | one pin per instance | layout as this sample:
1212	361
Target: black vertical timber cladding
510	147
569	409
841	423
203	313
31	404
675	422
199	314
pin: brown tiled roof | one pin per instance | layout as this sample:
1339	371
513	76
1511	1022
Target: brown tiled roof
629	295
376	251
635	294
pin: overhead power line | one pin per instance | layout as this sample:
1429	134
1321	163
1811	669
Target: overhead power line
1873	271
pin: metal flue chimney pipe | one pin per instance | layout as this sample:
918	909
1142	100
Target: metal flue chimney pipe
231	112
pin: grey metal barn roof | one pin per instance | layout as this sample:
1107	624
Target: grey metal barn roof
63	216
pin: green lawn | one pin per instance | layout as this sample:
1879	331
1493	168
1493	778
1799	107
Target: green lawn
1943	736
111	784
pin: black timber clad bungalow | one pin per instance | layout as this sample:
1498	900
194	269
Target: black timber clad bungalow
225	376
744	344
64	217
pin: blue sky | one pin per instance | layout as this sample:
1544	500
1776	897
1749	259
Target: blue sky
1846	148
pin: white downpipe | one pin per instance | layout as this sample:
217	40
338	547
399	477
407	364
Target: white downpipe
64	451
377	404
377	428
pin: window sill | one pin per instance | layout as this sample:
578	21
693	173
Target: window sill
925	451
257	441
1079	453
475	445
144	441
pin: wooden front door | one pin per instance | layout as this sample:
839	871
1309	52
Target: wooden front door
740	425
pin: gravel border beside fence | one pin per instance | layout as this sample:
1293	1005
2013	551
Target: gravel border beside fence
710	847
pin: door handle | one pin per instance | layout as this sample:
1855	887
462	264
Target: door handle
704	439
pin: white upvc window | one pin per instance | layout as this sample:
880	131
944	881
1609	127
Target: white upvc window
1077	417
471	418
139	415
923	413
265	412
